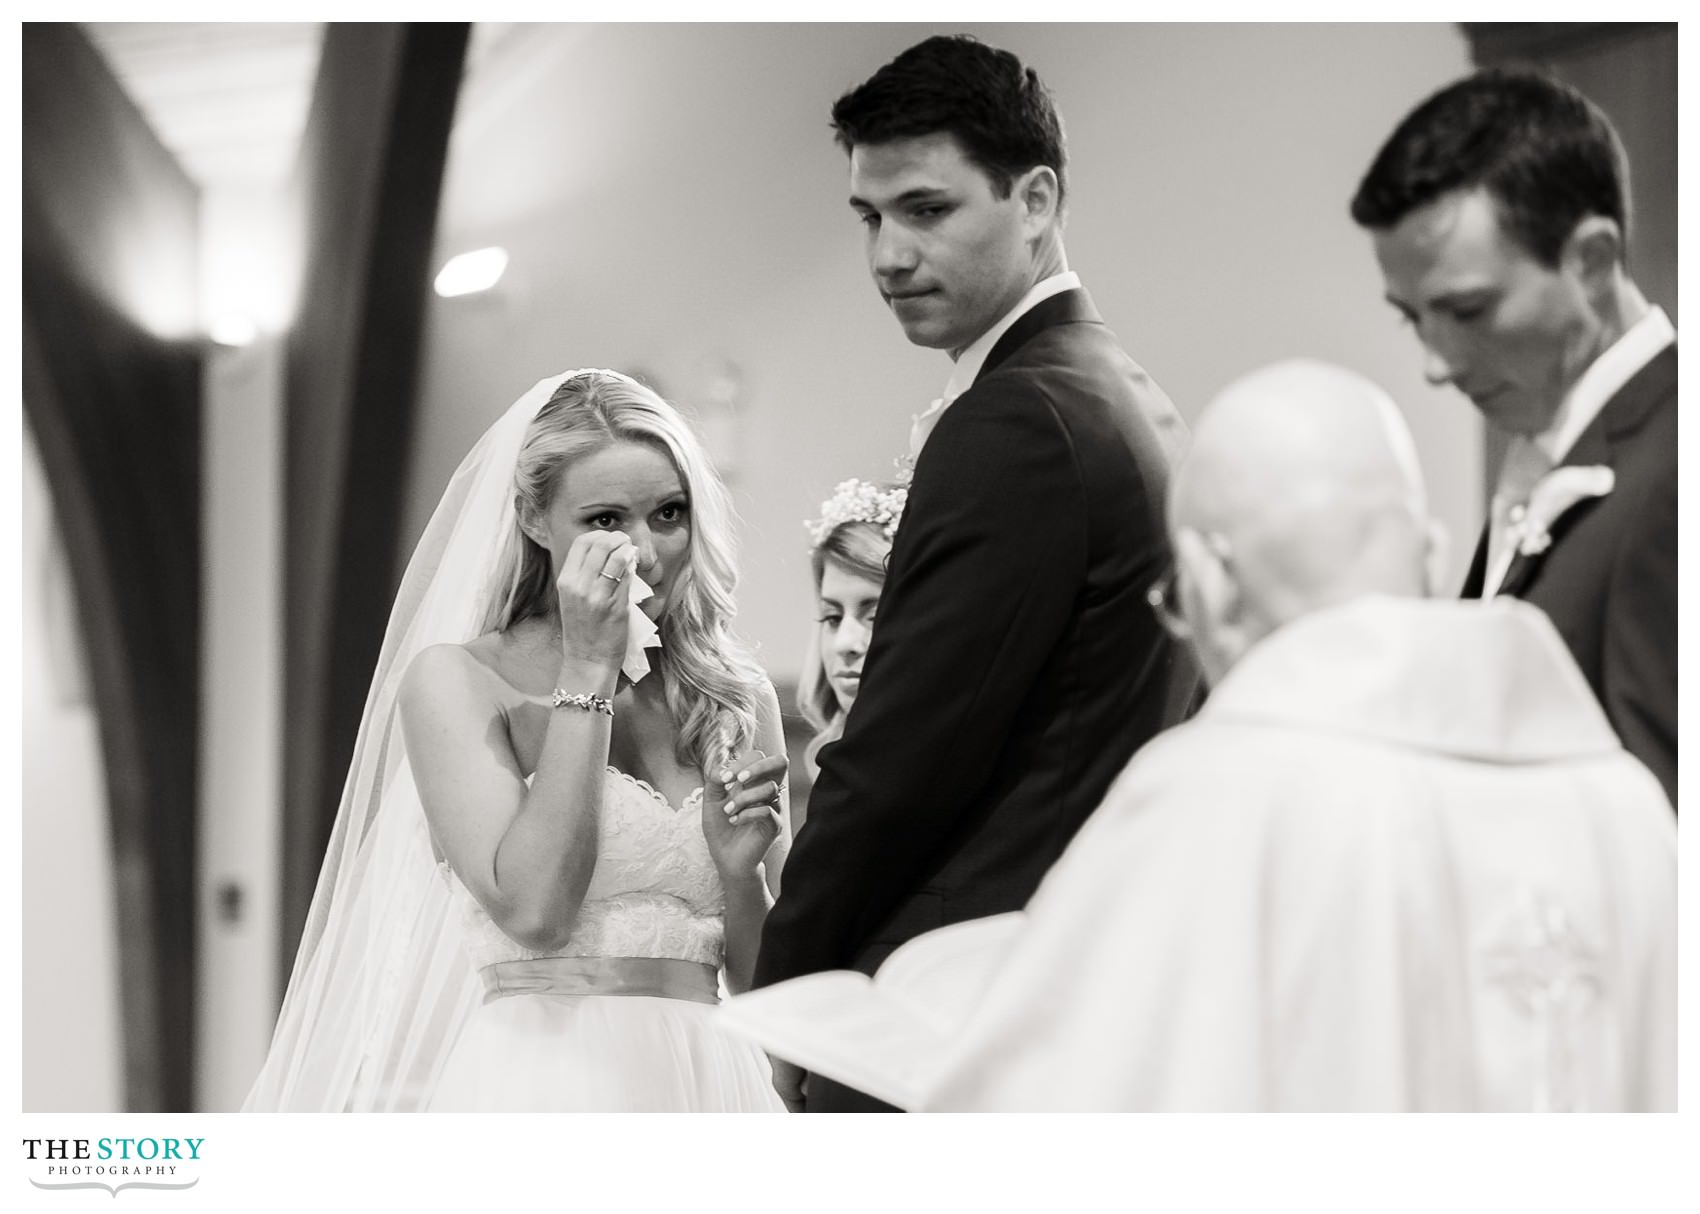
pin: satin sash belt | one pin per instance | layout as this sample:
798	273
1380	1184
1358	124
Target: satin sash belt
662	977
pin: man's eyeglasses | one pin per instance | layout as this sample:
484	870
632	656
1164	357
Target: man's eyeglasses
1165	604
1164	595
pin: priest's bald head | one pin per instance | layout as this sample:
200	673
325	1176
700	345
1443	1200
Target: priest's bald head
1301	490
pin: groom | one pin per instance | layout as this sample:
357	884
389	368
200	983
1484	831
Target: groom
1016	666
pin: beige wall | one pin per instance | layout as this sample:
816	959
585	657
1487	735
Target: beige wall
674	203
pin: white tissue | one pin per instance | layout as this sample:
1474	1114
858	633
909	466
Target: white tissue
641	632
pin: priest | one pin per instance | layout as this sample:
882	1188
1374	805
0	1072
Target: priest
1399	861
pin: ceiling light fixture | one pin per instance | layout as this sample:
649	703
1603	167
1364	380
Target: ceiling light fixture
469	273
233	329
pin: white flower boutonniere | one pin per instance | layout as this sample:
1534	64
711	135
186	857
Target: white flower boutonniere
1553	495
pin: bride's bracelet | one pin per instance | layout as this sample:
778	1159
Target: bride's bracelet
590	703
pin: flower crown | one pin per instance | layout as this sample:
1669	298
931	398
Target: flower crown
859	501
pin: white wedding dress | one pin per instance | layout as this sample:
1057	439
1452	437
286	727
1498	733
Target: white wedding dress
621	1019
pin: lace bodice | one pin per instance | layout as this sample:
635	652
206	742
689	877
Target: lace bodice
654	893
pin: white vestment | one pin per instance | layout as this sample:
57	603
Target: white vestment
1398	861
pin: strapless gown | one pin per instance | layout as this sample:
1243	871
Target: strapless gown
622	1018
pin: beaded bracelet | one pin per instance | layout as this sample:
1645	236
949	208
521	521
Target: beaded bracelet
590	703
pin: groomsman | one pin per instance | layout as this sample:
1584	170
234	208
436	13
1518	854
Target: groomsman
1015	668
1499	210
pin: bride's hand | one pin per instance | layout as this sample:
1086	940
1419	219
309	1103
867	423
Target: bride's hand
595	597
740	816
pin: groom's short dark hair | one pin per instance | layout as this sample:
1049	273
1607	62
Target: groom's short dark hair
1546	155
999	111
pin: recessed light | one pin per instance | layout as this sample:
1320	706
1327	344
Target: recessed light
469	273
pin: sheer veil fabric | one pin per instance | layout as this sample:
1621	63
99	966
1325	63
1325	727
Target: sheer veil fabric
382	985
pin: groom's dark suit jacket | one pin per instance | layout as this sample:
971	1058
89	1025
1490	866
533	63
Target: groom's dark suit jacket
1608	580
1015	666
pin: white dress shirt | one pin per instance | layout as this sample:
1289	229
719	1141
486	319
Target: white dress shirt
973	356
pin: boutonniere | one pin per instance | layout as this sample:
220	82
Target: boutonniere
1553	495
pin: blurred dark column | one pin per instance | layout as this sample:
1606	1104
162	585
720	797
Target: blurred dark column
109	249
370	173
1628	69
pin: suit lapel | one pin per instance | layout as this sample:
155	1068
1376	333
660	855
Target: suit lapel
1065	307
1626	412
1521	571
1622	417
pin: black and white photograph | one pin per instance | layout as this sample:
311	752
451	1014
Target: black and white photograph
823	567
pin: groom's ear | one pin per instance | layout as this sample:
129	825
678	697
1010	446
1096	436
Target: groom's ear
1037	188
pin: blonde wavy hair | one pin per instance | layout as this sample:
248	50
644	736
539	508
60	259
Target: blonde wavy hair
709	677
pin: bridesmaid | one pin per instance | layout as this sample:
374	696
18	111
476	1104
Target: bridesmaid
849	545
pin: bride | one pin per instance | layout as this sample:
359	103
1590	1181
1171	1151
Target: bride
547	850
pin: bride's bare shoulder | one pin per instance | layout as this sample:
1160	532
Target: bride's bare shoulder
469	672
499	668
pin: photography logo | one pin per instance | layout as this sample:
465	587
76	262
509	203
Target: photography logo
113	1164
